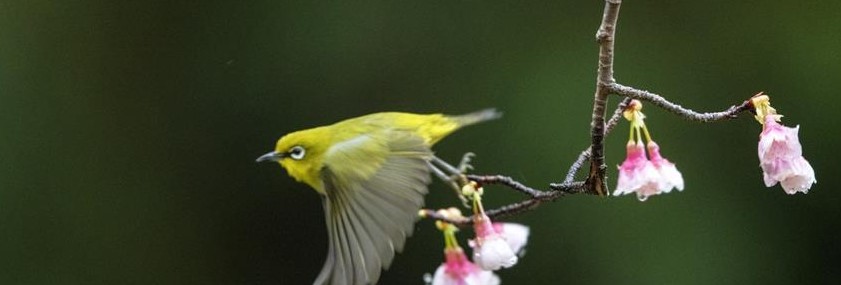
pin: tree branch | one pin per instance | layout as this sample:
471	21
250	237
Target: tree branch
688	114
617	114
536	197
605	37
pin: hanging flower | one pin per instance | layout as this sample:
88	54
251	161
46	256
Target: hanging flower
490	249
637	174
670	177
780	152
781	157
457	269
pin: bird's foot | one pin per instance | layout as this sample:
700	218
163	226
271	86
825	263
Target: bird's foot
453	175
465	165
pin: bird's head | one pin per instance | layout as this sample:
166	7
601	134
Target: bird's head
301	154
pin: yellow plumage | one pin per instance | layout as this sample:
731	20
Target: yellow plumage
372	172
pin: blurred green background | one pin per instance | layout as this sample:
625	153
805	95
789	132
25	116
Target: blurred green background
130	128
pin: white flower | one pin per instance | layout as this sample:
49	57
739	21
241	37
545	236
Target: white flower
516	235
670	177
457	270
490	249
493	253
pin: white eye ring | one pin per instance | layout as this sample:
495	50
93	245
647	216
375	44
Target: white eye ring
297	152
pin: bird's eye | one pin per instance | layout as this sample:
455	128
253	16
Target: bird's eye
297	152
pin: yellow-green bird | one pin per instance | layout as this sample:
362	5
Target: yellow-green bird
372	173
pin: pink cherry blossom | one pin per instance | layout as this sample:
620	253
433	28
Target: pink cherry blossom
781	157
516	235
490	249
670	177
637	174
457	270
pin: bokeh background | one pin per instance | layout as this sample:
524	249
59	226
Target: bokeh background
130	128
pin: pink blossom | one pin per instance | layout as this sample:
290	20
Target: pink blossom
670	177
516	235
457	270
781	157
637	174
490	249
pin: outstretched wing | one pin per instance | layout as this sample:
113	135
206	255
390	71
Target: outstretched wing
371	207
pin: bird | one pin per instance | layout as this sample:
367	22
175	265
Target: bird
372	173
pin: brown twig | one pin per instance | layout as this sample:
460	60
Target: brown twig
688	114
605	37
617	114
536	197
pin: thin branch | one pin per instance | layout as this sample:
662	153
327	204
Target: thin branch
558	191
536	197
617	114
605	37
507	181
688	114
576	165
512	209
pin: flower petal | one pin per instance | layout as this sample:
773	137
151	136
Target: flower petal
781	158
516	235
670	177
637	173
801	178
493	253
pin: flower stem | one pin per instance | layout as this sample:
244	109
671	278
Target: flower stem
645	131
477	203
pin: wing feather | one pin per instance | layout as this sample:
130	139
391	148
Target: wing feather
365	236
344	255
381	218
354	260
330	264
371	210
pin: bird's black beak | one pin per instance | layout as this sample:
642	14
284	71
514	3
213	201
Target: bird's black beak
272	156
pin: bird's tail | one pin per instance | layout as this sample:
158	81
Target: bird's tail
477	117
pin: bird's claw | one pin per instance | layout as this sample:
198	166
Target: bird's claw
454	175
465	165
